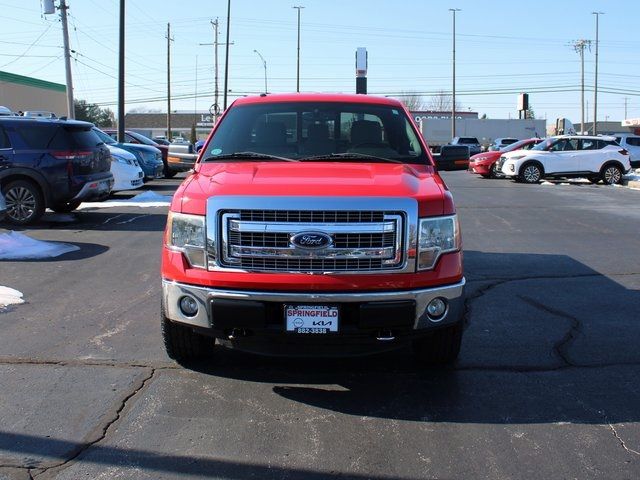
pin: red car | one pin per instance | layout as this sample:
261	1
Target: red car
313	224
135	137
485	163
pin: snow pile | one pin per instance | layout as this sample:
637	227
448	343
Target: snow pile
633	175
16	246
547	183
144	199
9	296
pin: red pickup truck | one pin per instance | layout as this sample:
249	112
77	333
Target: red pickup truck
313	224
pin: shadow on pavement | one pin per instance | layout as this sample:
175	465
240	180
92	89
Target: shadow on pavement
150	461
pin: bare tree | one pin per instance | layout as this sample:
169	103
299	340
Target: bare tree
441	102
413	101
144	109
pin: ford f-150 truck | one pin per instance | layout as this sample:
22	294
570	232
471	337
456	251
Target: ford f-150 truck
313	224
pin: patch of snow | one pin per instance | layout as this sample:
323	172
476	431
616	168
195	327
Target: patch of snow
17	246
547	183
565	183
144	199
578	180
9	296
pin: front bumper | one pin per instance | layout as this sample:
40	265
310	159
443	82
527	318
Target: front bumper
365	317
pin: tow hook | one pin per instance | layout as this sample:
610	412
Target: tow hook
385	336
236	333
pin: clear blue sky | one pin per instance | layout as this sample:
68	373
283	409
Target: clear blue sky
502	46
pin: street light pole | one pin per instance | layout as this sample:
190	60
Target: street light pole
226	57
264	62
453	97
298	63
595	88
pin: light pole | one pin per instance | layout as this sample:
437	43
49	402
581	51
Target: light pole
298	63
595	88
264	62
226	58
453	97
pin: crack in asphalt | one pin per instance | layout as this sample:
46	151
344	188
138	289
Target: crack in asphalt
561	347
103	430
622	443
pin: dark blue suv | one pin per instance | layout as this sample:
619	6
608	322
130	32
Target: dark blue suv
50	163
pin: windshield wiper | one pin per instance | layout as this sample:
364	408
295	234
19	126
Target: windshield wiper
247	156
348	156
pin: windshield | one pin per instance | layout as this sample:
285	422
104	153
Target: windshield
545	144
141	138
522	144
104	137
314	130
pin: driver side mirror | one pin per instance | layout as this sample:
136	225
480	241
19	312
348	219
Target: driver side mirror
452	157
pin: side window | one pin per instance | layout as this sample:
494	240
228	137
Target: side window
571	144
528	146
4	140
634	141
37	137
588	144
558	146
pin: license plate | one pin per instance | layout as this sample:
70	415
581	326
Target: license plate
311	319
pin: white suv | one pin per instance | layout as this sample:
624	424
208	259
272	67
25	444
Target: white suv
596	158
630	142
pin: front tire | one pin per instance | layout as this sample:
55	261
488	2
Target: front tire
441	347
530	173
182	343
611	174
25	203
167	172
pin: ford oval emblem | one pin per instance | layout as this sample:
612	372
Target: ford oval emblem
311	240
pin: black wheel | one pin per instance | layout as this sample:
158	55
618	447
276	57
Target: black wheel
492	171
441	347
25	203
182	343
594	178
530	173
167	172
611	174
66	207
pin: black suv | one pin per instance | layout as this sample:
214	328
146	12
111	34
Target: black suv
50	163
471	142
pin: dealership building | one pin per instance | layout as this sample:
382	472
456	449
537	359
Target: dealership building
20	93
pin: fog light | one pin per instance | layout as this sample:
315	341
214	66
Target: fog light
436	308
188	306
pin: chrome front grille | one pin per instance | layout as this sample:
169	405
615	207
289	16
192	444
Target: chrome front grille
264	240
313	216
340	240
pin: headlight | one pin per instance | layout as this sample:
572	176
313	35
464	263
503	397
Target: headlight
437	236
186	234
116	158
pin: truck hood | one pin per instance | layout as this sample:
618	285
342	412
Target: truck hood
320	179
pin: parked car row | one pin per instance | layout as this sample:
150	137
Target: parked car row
59	163
596	158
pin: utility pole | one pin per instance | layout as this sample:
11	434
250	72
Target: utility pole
299	7
169	40
216	43
71	113
453	99
121	77
595	89
625	107
226	57
579	46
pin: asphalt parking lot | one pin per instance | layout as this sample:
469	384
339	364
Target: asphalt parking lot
546	385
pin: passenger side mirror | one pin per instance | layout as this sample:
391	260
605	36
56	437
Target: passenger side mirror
452	157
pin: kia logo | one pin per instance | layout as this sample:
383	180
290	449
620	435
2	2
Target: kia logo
311	240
